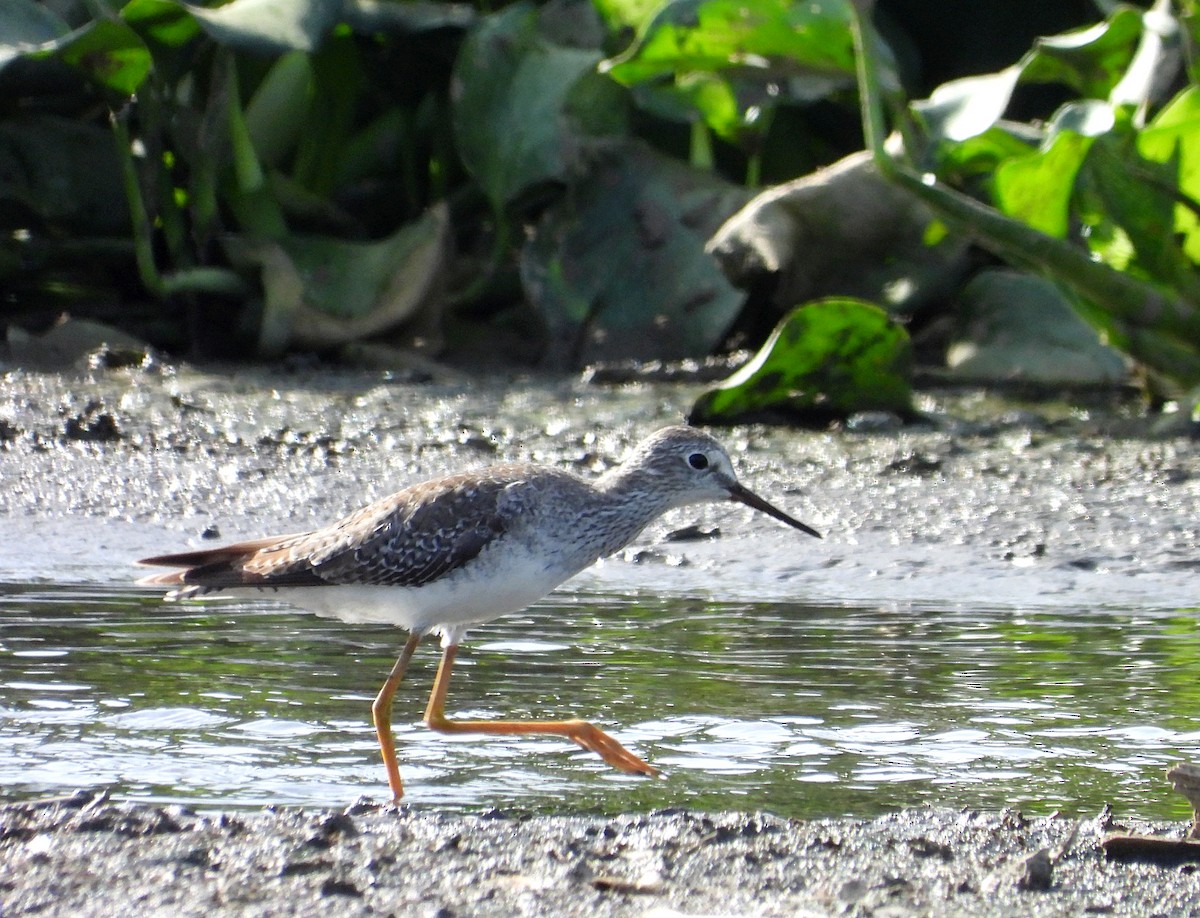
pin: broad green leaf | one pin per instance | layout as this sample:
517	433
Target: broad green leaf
269	26
1087	117
1092	61
248	171
967	107
353	280
598	106
617	269
1037	188
1131	204
245	187
1174	136
627	14
716	101
733	108
109	52
322	292
373	150
773	38
512	89
828	358
1139	197
165	21
981	154
26	26
275	114
729	61
1181	111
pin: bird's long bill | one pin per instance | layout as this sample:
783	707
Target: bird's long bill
745	496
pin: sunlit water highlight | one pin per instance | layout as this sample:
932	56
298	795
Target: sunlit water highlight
801	710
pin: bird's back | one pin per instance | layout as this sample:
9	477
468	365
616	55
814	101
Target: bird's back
408	539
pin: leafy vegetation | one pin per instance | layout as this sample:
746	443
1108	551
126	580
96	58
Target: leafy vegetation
274	170
268	176
1101	198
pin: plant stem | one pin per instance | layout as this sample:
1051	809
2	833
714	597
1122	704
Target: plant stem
701	153
143	233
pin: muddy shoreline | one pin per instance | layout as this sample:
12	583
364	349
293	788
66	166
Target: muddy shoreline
1023	505
86	856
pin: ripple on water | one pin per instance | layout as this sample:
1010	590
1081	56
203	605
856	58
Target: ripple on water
803	710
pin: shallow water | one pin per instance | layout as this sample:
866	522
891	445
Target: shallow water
802	710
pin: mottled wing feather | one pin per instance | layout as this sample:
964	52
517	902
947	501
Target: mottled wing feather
420	535
408	539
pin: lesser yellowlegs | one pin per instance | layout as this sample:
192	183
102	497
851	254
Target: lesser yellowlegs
451	553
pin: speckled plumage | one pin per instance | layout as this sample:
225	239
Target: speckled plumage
438	529
453	552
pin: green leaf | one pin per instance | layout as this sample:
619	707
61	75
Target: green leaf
1139	197
247	170
626	14
981	154
165	21
512	88
768	37
598	106
275	115
1092	61
354	280
617	268
1037	188
109	52
736	110
1180	112
967	107
338	81
321	293
829	357
245	188
731	62
269	26
25	26
1174	137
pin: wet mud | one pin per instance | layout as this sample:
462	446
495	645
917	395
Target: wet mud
983	503
86	856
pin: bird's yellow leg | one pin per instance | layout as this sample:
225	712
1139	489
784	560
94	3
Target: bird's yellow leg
381	715
585	734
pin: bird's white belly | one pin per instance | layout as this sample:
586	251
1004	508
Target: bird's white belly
478	593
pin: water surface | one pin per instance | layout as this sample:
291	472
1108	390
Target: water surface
799	709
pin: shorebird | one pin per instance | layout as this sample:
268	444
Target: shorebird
451	553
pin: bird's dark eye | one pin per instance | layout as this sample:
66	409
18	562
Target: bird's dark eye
698	461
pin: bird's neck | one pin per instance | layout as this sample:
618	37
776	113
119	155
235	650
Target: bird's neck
631	504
